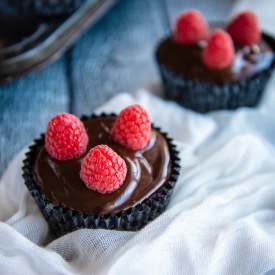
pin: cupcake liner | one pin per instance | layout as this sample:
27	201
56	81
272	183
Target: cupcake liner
208	96
63	219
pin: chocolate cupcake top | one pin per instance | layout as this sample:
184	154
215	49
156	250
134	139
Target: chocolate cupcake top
148	169
219	53
186	60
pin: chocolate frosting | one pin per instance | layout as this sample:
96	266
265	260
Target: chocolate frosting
147	171
186	60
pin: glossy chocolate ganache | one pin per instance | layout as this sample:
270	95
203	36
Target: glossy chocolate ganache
147	171
186	60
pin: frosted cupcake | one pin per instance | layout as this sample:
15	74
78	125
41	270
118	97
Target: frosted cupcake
218	67
107	171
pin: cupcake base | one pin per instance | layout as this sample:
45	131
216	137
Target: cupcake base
63	219
204	97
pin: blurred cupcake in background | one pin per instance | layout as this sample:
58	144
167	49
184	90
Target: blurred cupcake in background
216	66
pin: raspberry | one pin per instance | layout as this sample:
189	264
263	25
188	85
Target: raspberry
132	128
244	28
219	51
191	27
66	137
103	170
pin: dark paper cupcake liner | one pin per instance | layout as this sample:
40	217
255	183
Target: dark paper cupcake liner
63	219
207	96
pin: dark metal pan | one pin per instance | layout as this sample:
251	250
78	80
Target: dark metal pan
29	43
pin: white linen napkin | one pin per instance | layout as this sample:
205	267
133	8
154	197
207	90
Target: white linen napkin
221	219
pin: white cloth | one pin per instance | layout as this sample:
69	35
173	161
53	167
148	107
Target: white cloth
221	219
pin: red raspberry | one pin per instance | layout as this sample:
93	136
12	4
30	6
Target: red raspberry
244	28
190	27
103	170
132	128
66	137
219	51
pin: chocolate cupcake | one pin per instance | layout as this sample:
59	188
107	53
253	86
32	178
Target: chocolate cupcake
124	190
204	75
